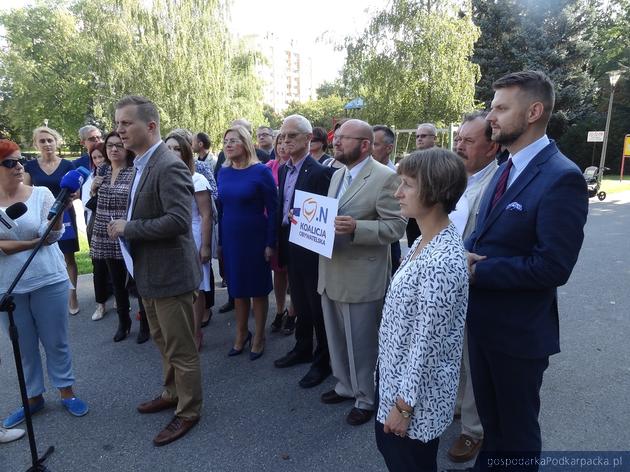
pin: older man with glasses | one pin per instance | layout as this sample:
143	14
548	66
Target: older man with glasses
89	137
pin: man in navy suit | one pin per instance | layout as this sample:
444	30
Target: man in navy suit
527	239
302	172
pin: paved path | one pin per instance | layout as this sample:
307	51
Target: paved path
257	418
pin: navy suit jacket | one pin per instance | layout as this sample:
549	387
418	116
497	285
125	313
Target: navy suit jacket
531	238
313	178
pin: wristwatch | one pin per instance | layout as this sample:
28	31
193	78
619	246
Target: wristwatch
405	413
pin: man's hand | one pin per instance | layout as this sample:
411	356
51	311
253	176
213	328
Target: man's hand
116	228
345	225
472	259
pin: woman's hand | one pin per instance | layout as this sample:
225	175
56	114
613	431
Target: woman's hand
269	251
96	183
395	423
205	254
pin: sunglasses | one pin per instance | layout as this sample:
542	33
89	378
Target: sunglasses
11	163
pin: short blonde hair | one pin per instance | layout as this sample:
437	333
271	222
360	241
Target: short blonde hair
50	131
248	145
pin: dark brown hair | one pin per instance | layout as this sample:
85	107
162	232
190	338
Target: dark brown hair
440	174
533	82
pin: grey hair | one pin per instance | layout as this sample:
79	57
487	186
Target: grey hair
83	131
303	125
431	126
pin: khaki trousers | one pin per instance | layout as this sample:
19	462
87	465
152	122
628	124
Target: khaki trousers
171	324
352	332
471	423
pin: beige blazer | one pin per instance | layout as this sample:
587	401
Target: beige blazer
359	269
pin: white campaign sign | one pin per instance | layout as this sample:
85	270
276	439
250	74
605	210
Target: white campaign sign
595	137
313	222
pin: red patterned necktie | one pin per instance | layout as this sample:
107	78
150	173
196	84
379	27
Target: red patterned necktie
502	183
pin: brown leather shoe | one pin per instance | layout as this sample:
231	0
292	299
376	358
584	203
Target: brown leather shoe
177	428
331	397
358	416
155	405
465	448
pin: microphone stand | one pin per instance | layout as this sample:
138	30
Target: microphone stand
7	304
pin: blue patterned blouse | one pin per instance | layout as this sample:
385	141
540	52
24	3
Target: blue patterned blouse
421	334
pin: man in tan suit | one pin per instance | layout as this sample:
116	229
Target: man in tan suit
166	262
353	282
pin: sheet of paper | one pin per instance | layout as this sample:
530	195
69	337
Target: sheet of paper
126	255
313	222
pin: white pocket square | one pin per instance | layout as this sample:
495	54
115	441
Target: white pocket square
514	206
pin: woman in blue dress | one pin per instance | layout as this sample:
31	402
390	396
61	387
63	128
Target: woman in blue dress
249	199
47	171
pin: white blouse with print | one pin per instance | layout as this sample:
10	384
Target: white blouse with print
421	334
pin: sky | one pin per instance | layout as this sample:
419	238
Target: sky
318	25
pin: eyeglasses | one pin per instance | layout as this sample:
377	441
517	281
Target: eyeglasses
11	163
94	139
291	135
339	137
262	135
231	142
422	136
119	146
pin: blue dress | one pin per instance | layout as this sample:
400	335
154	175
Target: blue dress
69	242
249	201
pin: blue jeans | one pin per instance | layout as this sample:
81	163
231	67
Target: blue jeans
42	316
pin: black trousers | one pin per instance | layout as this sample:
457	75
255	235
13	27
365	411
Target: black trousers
115	270
406	454
303	270
507	394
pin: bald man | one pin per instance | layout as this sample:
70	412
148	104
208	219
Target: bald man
353	282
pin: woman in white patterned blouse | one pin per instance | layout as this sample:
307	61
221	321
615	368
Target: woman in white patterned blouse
421	333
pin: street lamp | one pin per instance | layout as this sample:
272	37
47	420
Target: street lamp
613	75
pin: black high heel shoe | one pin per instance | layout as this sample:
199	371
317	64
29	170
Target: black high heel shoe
124	326
248	340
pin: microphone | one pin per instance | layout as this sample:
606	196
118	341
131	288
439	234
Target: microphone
12	213
70	183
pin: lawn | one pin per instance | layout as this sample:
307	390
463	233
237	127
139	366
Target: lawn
84	262
611	184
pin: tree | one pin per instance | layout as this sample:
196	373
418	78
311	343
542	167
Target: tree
554	36
200	77
319	112
412	63
42	70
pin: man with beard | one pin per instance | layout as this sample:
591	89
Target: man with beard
525	244
477	150
353	282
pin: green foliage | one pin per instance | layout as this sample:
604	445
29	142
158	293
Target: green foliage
71	64
554	36
412	63
43	71
319	112
272	118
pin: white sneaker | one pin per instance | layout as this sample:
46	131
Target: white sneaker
99	312
8	435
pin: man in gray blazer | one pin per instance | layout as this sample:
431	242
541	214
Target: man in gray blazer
353	282
166	265
478	151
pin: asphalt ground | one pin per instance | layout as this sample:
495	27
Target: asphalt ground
256	417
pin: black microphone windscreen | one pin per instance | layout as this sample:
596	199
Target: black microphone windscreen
16	210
